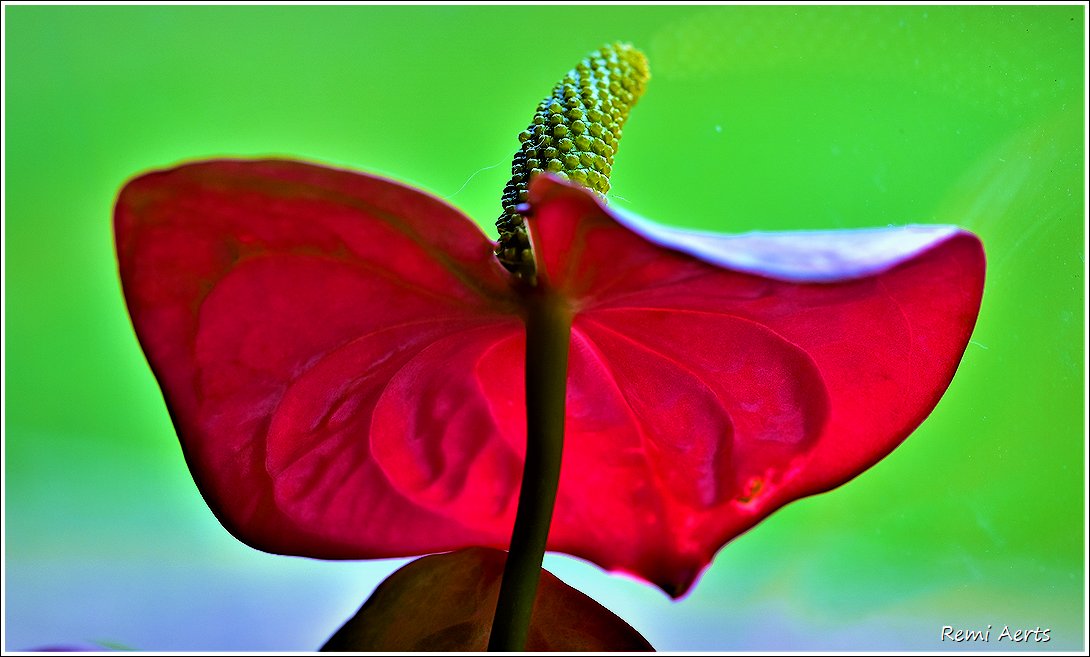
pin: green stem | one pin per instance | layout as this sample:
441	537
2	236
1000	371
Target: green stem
548	332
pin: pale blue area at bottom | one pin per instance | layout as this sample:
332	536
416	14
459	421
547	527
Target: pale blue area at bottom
271	602
80	571
714	618
256	601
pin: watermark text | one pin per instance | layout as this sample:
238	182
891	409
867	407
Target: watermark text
989	634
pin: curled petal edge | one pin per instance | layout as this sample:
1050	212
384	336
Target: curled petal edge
807	256
892	265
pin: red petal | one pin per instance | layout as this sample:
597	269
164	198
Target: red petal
446	602
343	359
284	308
702	398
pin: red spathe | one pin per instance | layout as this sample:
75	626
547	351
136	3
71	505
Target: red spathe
343	360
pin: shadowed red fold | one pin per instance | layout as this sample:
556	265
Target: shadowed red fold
342	357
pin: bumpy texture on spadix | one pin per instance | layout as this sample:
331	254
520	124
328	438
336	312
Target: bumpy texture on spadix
343	360
574	136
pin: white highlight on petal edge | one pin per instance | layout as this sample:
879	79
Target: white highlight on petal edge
800	256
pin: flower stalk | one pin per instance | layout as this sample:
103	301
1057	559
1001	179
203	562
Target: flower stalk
548	333
573	136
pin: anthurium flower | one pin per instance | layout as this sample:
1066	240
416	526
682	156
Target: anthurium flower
343	360
344	357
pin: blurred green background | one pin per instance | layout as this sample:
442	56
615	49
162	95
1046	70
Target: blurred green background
756	118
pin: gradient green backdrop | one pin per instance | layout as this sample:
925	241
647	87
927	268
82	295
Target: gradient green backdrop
756	118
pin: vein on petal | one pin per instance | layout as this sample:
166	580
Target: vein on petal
713	313
664	487
602	300
334	353
458	483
